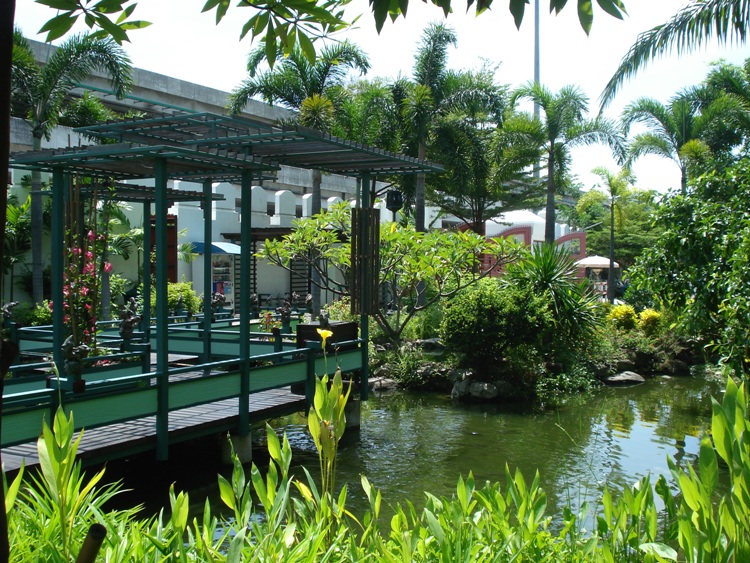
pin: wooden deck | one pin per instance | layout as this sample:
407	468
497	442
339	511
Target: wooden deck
136	436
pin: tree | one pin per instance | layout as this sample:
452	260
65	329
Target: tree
690	28
487	170
677	130
40	94
618	187
423	102
416	269
565	126
296	83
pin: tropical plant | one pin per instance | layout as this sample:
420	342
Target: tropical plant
698	268
618	187
677	130
694	25
487	155
565	126
40	96
550	272
416	269
17	237
485	322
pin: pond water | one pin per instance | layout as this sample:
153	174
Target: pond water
410	443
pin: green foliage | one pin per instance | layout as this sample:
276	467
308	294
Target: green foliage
549	271
649	321
49	516
180	295
31	314
623	316
483	322
699	268
416	270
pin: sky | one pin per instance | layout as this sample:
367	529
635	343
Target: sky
186	44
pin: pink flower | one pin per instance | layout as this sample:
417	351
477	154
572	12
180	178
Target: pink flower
84	290
76	251
91	235
107	267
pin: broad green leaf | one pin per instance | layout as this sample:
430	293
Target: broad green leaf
585	14
614	8
708	467
274	448
307	47
659	550
517	8
434	525
226	493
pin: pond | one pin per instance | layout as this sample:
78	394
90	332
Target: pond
410	443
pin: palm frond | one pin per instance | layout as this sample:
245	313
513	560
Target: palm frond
692	27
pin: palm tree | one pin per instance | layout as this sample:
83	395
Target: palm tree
688	128
424	99
618	186
565	126
40	93
690	28
296	83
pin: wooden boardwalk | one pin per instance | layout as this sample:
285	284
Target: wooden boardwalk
136	436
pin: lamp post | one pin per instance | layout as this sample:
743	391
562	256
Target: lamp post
611	273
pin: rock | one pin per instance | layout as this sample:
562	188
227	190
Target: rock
460	389
382	383
624	378
430	345
483	391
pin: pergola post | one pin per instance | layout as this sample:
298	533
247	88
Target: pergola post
245	263
366	272
162	311
58	265
146	322
207	261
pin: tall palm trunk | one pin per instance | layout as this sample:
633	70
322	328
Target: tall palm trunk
549	225
419	199
37	272
317	180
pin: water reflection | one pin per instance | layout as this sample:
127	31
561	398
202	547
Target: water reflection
410	443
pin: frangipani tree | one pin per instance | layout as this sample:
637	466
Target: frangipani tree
416	269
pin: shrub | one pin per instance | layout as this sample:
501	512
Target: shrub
30	314
648	321
483	322
623	316
181	290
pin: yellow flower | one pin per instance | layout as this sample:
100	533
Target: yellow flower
324	334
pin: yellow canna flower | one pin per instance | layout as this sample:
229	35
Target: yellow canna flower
325	335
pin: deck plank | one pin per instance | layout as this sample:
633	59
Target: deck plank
122	439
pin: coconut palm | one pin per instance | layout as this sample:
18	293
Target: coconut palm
423	100
40	94
687	129
617	186
565	126
693	26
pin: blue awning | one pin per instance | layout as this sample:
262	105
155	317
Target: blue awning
217	248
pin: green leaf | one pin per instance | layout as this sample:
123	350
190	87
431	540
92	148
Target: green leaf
274	447
434	525
308	49
226	493
234	553
585	15
58	26
612	7
659	550
708	466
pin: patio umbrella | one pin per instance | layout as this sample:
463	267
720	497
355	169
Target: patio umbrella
595	262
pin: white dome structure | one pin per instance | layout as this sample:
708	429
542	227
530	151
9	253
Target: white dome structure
511	219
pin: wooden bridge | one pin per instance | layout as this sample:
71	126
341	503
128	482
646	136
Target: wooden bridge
126	409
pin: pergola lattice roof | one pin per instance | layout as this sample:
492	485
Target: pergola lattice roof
264	144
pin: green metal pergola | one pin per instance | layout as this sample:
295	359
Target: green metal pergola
203	148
